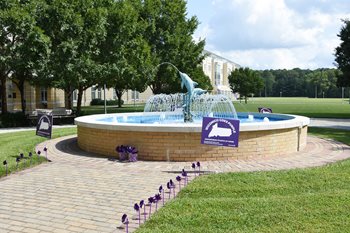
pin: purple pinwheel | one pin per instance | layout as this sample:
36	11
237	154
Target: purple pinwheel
156	199
161	191
5	164
126	222
38	153
150	201
17	162
122	152
45	151
169	187
137	209
172	186
184	174
194	168
142	203
178	178
199	167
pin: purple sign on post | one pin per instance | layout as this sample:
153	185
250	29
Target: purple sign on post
265	110
220	132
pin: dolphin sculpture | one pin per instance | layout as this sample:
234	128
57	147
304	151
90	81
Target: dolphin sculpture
198	91
190	86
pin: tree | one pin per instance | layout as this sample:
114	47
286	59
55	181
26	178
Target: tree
169	33
245	81
75	28
124	52
342	55
25	49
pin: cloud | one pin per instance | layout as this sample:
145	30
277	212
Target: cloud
275	33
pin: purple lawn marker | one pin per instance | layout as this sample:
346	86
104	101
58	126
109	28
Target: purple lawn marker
137	208
199	168
184	174
38	153
178	178
125	221
142	204
162	192
5	164
194	168
156	199
150	201
169	187
45	150
17	162
172	186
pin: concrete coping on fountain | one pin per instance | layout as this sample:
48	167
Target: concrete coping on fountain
94	121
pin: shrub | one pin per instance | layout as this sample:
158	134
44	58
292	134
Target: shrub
17	119
101	102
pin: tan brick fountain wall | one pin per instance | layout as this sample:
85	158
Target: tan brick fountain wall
164	146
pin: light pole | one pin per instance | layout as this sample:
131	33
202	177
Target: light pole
280	93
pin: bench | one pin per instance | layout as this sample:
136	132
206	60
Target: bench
60	115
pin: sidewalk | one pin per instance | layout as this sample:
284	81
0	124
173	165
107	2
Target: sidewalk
17	129
330	123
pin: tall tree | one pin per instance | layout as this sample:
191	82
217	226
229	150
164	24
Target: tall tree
342	55
75	28
169	33
245	81
26	48
125	54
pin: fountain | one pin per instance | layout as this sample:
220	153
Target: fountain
169	129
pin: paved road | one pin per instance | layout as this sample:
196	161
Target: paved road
79	192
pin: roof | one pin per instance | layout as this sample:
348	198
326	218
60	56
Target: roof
211	54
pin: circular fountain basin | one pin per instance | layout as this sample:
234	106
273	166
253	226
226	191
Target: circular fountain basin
163	137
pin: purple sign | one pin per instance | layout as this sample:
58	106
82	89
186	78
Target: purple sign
265	110
220	132
44	125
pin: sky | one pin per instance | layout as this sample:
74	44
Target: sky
271	34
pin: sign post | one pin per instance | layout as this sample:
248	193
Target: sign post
44	125
220	132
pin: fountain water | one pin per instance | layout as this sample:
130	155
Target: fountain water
195	104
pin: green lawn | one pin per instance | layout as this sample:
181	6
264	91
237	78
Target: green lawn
310	107
300	200
12	144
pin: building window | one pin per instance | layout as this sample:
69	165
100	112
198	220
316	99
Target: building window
135	95
114	94
75	95
43	94
95	93
217	74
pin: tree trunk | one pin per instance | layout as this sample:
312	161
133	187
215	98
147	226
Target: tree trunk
68	99
80	98
119	94
245	99
3	95
23	100
20	86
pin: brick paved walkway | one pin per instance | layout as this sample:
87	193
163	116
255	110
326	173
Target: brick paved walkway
78	192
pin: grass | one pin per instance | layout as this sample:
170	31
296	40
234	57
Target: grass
300	200
310	107
12	144
88	110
